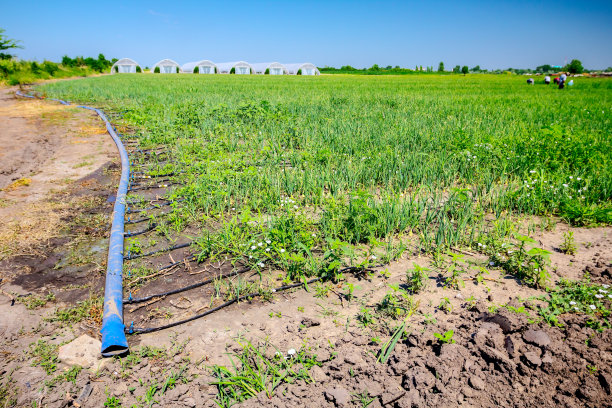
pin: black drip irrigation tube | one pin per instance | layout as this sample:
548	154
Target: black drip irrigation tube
133	330
129	256
131	300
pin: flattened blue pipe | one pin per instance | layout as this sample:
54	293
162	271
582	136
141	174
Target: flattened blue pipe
113	330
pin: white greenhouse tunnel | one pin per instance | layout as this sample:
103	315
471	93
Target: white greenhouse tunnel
271	68
167	66
203	67
240	68
302	68
124	66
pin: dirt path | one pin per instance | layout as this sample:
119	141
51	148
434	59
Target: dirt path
45	147
57	169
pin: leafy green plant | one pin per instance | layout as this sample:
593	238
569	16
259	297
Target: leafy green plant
569	244
528	264
45	356
445	305
417	278
445	338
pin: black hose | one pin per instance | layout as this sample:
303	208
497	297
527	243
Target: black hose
132	330
154	206
157	251
186	288
143	231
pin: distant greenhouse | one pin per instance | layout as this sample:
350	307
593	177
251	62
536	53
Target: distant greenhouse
270	68
238	68
125	66
303	68
166	66
200	67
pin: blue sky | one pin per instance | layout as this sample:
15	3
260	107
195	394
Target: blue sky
492	34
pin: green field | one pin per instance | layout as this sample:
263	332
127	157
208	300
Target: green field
308	174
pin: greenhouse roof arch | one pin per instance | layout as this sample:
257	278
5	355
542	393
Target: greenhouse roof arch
273	68
204	67
240	68
167	66
306	68
124	66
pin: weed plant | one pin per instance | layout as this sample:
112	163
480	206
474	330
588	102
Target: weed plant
257	368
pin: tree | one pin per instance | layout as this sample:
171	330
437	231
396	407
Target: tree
465	70
457	69
441	67
7	44
544	68
574	67
476	69
374	67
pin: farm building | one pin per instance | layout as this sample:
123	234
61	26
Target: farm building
124	66
270	68
167	66
239	68
200	67
303	68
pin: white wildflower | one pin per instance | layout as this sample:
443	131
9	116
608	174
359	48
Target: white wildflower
592	307
572	303
282	251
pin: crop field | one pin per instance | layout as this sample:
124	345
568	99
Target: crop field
452	235
307	175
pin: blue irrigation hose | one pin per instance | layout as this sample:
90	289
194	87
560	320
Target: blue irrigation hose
114	341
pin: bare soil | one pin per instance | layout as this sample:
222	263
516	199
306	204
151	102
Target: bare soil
499	358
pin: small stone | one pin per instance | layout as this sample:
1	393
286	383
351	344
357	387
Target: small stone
339	396
532	359
477	383
537	337
352	359
189	402
82	351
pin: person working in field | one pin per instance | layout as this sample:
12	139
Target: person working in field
547	80
530	81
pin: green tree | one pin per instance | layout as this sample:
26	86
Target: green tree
374	67
465	70
544	68
574	67
441	67
476	69
457	69
7	44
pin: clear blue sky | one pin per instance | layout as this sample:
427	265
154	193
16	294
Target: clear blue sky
492	34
